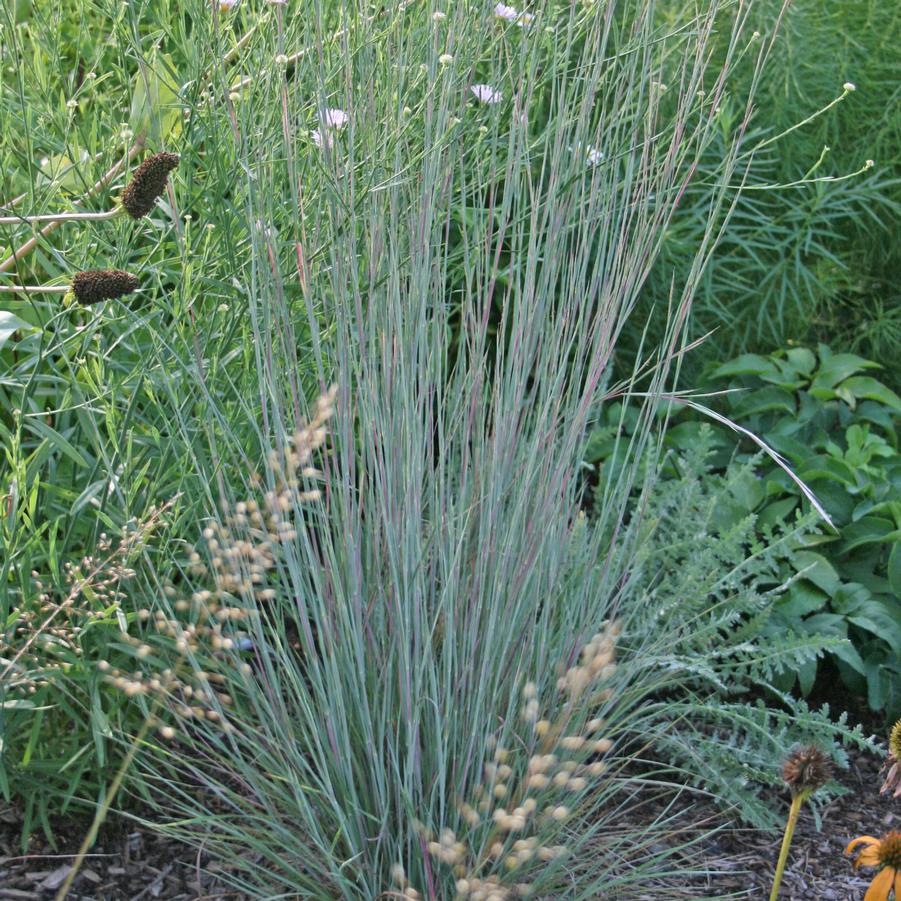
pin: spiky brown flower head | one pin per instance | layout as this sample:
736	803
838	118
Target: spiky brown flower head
892	783
806	769
102	284
890	850
148	184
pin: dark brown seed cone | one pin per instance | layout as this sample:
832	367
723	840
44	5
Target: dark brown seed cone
806	769
148	184
102	284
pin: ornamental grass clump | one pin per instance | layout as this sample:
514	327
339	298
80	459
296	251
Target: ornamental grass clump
462	276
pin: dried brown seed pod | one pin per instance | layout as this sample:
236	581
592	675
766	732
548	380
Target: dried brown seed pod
102	284
148	183
807	769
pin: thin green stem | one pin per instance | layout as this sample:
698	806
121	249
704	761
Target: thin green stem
793	812
104	807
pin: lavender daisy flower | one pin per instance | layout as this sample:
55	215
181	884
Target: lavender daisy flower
335	118
486	94
321	139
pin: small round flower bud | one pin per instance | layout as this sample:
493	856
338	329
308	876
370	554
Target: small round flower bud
849	86
148	183
397	874
102	284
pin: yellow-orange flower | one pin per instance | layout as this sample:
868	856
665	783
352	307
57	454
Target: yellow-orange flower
884	853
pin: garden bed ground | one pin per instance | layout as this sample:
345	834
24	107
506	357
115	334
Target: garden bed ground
132	865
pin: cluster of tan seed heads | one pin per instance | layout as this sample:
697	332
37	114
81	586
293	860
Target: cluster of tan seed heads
531	789
205	629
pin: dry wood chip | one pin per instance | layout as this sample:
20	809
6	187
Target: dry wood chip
55	879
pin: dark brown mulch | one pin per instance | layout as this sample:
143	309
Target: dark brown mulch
741	861
128	864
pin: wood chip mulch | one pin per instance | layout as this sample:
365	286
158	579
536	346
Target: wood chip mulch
125	864
740	861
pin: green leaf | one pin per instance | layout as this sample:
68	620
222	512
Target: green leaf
763	400
851	656
56	440
746	364
801	599
778	511
156	111
894	570
61	171
818	570
10	323
869	530
807	674
867	388
835	370
802	360
875	695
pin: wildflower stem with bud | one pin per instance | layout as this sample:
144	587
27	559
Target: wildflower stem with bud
805	771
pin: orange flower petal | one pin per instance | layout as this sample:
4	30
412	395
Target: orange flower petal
869	857
863	839
898	884
881	886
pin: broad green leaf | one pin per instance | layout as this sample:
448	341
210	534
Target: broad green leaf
875	693
851	656
818	569
10	323
778	511
807	674
894	570
156	111
801	599
834	371
763	401
746	364
748	491
867	388
869	530
802	360
61	171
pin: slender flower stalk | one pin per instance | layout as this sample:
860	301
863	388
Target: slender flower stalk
806	770
35	289
60	217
